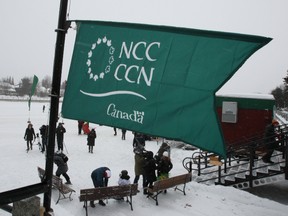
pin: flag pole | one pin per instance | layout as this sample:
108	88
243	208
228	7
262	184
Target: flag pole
54	101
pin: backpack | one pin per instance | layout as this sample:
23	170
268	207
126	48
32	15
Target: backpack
64	157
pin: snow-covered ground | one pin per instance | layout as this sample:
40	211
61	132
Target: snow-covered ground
19	169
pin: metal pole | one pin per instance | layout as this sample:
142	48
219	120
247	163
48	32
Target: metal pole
54	101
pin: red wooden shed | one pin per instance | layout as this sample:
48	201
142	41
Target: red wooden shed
244	116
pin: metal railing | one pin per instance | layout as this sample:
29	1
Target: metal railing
243	158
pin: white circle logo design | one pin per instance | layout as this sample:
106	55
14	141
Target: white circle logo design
94	76
101	41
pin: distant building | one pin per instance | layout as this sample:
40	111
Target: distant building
7	89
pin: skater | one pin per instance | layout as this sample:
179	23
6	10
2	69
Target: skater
44	136
100	177
123	134
61	162
115	131
43	109
91	140
60	130
80	125
29	135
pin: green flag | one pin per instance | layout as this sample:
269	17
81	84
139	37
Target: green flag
34	84
154	79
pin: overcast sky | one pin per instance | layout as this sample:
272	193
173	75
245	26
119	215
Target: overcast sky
28	38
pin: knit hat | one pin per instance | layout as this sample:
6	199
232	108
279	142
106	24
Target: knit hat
107	174
275	122
124	175
165	154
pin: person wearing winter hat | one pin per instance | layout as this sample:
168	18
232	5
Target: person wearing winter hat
164	166
100	178
270	140
29	135
124	178
139	164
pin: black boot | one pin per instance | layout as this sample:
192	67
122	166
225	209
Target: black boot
92	204
102	203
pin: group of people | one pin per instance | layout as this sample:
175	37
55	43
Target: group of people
151	167
30	136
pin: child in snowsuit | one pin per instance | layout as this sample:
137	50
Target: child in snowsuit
124	179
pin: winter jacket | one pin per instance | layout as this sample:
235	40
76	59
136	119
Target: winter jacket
150	168
29	134
62	166
98	177
60	130
139	163
164	166
124	180
91	138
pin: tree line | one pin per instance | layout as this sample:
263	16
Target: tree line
9	87
43	88
280	94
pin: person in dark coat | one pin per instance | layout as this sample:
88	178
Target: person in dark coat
139	158
62	167
100	177
149	171
91	140
138	139
44	136
29	135
60	130
80	125
270	141
164	166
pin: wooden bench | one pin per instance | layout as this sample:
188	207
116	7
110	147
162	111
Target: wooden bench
171	182
57	183
115	192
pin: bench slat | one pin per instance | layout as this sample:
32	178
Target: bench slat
171	182
92	194
107	192
58	184
164	184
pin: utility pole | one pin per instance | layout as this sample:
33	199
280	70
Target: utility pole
54	101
